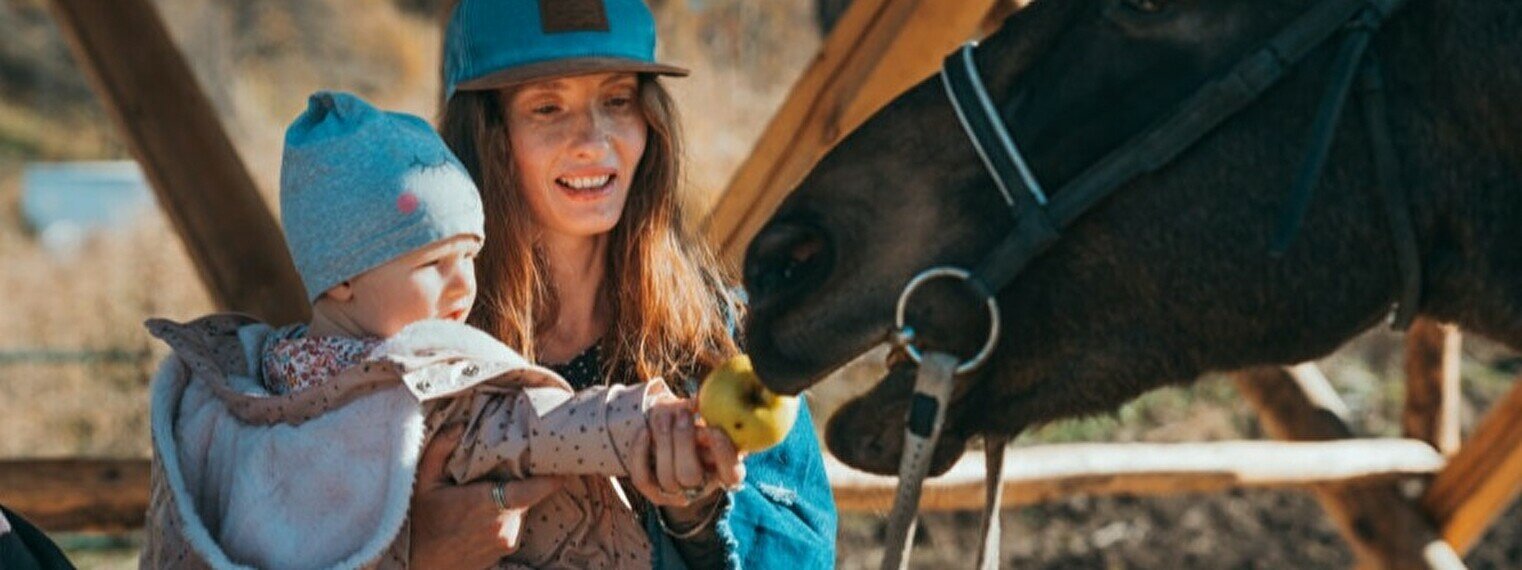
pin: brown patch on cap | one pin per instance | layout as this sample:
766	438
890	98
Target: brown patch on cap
558	16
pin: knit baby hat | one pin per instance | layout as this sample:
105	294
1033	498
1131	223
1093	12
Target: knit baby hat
360	187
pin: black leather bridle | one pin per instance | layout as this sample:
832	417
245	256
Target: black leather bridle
1039	217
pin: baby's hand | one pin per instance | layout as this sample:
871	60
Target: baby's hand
668	470
723	463
688	460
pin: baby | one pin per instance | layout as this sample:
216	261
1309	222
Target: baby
297	446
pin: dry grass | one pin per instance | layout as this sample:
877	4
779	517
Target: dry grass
92	300
26	133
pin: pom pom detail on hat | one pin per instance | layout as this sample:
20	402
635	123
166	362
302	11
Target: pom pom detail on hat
360	186
406	203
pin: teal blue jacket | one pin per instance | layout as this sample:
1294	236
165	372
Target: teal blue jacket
784	515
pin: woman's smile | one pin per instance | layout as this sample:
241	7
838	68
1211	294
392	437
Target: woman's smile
587	186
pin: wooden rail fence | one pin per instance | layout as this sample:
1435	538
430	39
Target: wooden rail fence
50	491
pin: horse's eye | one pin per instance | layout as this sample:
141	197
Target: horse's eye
1147	6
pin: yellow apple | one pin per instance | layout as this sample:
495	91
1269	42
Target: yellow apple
733	399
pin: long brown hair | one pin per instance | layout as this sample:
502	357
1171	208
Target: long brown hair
668	300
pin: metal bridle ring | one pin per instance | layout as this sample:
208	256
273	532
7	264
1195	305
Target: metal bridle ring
904	336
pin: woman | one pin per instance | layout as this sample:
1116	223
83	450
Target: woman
555	108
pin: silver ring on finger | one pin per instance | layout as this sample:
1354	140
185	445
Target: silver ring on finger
499	495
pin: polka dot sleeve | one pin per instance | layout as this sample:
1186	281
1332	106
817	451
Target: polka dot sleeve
550	431
593	433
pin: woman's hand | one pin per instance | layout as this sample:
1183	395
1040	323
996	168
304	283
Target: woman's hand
461	526
682	464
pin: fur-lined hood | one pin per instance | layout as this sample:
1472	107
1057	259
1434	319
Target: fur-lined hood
224	494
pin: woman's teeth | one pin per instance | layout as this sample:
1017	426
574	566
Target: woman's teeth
585	182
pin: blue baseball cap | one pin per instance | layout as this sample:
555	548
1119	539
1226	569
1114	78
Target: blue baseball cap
490	44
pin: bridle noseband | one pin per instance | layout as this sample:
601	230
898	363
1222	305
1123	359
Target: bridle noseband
1039	217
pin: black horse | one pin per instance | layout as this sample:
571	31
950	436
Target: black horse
1171	276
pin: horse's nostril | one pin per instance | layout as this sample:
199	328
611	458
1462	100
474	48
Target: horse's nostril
781	255
875	447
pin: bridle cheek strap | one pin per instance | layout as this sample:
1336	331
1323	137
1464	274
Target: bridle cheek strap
927	415
989	136
933	385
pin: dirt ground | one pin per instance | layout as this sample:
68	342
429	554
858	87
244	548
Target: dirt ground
1240	529
1237	530
1234	530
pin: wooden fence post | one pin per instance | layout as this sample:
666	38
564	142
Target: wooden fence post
153	99
1483	478
1432	385
77	494
1384	528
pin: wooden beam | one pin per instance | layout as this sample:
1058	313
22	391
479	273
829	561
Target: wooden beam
77	494
879	49
1432	385
153	99
1048	472
1384	529
1483	478
82	494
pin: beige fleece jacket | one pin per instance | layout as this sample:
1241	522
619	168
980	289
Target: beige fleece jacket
322	477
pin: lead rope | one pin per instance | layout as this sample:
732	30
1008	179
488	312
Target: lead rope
927	414
993	500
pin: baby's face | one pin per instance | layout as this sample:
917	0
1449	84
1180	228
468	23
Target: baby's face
436	281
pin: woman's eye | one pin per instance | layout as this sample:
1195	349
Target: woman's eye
546	109
1147	6
620	102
